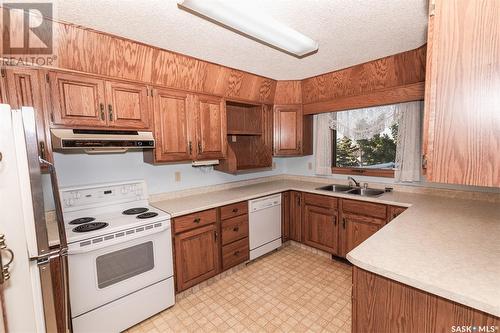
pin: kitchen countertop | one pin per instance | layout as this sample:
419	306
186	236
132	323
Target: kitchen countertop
446	246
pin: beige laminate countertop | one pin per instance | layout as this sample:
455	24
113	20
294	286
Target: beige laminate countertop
445	246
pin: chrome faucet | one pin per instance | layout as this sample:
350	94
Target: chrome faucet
354	180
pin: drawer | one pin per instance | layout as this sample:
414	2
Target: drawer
234	229
235	253
195	220
239	208
320	200
364	208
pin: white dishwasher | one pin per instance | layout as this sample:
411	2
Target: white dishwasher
264	224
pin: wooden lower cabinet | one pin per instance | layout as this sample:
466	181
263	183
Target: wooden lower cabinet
359	228
380	304
196	256
234	234
296	216
320	222
394	211
285	216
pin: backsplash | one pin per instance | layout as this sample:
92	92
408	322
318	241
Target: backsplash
82	169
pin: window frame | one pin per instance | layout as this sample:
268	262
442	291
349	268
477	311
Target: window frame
356	171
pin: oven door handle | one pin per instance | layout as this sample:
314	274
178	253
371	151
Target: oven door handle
76	248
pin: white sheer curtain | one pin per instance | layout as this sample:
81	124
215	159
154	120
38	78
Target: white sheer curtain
408	149
364	124
323	144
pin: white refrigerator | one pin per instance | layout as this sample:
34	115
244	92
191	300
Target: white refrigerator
33	276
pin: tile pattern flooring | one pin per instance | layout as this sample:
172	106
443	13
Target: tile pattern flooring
292	290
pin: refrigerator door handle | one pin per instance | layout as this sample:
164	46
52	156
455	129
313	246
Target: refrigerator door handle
4	268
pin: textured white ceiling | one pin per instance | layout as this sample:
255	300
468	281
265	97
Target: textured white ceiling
349	32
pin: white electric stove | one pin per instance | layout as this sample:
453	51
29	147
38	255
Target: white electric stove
119	256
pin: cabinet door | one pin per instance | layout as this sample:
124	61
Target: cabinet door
285	216
321	228
128	105
172	126
296	216
77	100
394	211
196	256
461	140
287	130
24	89
211	128
358	229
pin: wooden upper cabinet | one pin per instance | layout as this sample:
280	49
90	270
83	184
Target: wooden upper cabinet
292	131
128	105
462	115
77	100
196	256
24	88
172	126
211	128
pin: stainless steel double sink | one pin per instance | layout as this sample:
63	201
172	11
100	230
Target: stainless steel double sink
365	192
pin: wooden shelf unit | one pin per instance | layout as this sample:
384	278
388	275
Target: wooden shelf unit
249	129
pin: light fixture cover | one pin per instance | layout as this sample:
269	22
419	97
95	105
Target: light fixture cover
249	22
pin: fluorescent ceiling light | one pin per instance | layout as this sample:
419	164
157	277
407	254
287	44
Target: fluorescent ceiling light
259	26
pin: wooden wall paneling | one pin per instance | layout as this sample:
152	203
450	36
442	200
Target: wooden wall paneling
90	51
288	92
128	105
384	305
396	70
463	115
172	126
392	95
394	79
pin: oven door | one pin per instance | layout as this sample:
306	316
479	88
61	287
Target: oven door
100	276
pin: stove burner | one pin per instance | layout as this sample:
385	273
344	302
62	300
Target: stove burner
134	211
82	220
146	215
90	226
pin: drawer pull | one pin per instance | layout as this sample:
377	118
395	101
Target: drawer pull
237	253
197	220
235	210
236	229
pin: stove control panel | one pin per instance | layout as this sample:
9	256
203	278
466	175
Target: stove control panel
77	198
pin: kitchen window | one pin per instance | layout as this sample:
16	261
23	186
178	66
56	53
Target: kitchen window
380	141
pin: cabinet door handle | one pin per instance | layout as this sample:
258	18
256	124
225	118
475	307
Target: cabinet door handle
237	253
215	234
197	220
235	210
101	106
235	229
42	150
199	147
334	220
190	145
110	112
300	145
343	223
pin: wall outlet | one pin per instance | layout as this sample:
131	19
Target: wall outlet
310	165
233	138
177	176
